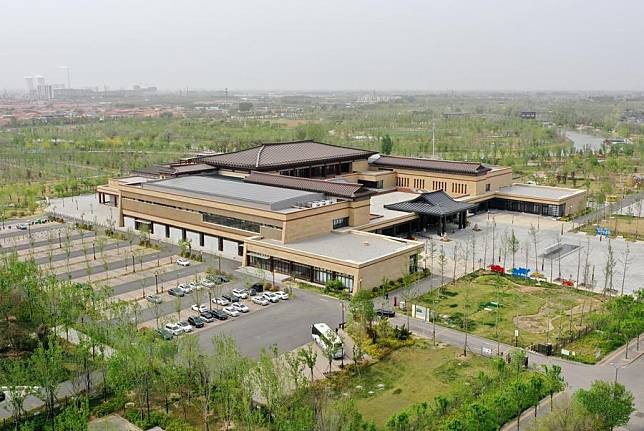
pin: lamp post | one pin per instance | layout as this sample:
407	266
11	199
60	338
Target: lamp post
156	282
94	250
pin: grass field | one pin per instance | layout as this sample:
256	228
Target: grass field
542	312
409	375
628	226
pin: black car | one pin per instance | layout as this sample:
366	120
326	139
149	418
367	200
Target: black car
385	313
230	298
218	314
258	287
196	321
207	316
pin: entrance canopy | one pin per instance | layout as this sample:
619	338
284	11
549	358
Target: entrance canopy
437	204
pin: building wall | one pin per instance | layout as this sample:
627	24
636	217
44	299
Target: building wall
576	204
392	269
453	184
364	276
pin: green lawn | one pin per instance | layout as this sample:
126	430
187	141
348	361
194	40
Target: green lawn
540	311
409	375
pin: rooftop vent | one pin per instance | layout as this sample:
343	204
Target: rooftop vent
365	243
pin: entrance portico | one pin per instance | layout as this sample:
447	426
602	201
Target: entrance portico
435	208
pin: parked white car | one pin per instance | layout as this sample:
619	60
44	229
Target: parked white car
240	294
220	301
182	261
174	328
231	311
240	307
270	296
282	295
185	326
259	300
199	308
187	288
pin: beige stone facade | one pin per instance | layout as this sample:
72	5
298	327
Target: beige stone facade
290	235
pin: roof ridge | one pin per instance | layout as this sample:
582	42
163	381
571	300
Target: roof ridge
259	155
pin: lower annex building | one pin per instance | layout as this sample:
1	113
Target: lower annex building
319	212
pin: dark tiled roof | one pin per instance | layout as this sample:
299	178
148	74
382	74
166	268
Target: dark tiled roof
338	189
448	166
285	155
436	203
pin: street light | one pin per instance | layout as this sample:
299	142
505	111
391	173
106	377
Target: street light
156	282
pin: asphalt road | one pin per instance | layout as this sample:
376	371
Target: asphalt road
286	324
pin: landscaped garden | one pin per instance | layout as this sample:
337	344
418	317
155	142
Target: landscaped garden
495	306
422	384
628	226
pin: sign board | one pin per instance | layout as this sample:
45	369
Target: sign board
565	352
516	332
420	312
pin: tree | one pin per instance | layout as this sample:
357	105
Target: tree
611	403
386	144
554	380
442	259
609	269
362	309
17	378
309	357
513	246
47	365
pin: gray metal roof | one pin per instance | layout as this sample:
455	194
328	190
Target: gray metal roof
543	192
348	246
436	203
228	190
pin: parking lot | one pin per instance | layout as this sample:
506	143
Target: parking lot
133	272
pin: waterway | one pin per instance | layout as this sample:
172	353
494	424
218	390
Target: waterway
584	141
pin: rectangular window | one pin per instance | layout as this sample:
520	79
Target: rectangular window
413	263
340	222
464	188
235	222
202	240
167	231
487	187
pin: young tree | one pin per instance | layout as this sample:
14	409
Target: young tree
533	235
47	366
513	245
609	269
386	144
611	403
442	260
309	357
554	380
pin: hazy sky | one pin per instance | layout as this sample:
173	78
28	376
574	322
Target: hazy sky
326	44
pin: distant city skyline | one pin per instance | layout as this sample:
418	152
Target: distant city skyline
490	45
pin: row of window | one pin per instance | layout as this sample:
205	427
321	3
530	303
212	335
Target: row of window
459	188
219	219
340	222
298	270
439	185
402	182
149	227
236	223
419	183
318	171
